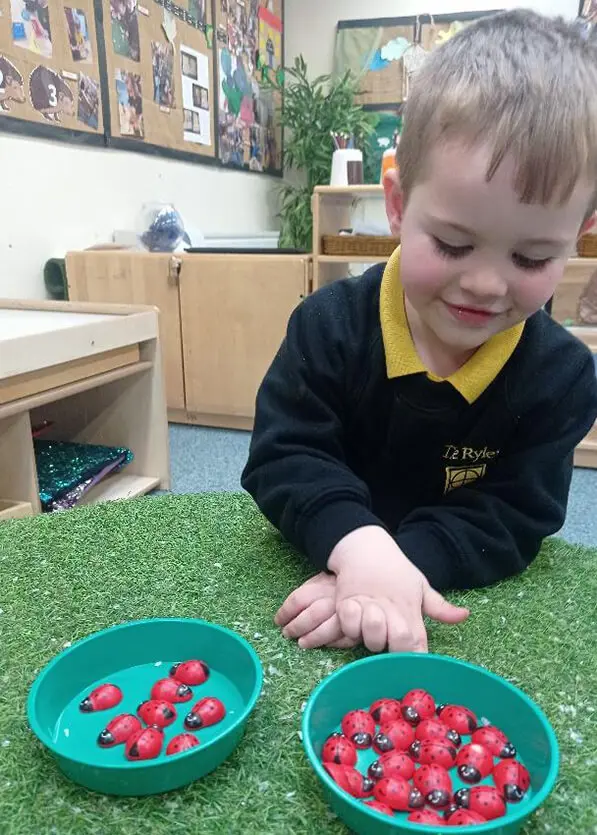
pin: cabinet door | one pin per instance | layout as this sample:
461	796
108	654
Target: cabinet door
235	309
121	277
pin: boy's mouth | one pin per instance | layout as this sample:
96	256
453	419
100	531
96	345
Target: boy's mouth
471	315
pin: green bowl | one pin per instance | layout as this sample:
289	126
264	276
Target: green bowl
134	656
359	684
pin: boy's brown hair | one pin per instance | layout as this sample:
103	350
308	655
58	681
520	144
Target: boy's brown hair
524	84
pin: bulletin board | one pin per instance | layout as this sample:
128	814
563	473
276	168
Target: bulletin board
50	69
373	50
159	76
249	42
177	78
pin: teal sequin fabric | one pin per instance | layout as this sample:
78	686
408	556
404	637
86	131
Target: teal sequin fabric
65	470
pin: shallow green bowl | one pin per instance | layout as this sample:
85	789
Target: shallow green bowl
134	656
359	684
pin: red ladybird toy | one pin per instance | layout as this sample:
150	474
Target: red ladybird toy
145	744
434	753
417	705
385	711
206	712
474	763
398	794
157	712
190	672
359	727
379	807
103	697
427	817
171	690
496	741
118	730
435	784
350	780
397	736
438	731
392	764
464	817
459	718
484	800
340	750
180	743
511	779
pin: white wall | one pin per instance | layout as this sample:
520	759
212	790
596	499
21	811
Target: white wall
311	24
57	197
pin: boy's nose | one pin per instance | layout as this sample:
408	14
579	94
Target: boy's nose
484	283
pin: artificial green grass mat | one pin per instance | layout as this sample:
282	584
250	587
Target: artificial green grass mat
213	556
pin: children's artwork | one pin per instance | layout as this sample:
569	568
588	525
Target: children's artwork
31	26
130	104
89	101
162	65
78	35
12	90
270	39
249	37
125	28
194	68
50	95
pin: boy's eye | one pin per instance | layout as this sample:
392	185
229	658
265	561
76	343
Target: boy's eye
530	264
449	251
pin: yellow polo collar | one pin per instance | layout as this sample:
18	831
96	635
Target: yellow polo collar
401	355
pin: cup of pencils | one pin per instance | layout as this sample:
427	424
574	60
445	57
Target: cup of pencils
347	161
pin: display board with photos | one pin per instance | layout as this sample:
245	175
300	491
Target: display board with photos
182	78
50	69
249	44
159	65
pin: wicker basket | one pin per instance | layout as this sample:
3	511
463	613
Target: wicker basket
587	246
377	246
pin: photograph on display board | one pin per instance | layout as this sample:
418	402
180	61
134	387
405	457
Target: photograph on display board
89	101
130	104
125	29
249	37
31	26
162	61
78	35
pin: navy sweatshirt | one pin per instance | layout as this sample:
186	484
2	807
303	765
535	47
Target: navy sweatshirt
468	474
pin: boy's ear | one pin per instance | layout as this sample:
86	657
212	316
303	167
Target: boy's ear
394	200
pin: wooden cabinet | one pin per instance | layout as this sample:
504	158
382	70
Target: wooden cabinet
234	315
134	278
222	319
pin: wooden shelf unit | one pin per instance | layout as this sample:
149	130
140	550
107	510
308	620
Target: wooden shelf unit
332	210
95	372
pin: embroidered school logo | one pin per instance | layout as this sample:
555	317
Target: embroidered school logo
462	476
470	464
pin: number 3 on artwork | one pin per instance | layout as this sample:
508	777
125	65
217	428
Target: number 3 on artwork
52	100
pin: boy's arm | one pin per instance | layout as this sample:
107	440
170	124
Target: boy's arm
493	529
297	471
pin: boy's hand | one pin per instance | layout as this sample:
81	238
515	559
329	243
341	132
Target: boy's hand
309	614
381	596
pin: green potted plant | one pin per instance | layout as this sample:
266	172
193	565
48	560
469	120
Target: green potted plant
311	112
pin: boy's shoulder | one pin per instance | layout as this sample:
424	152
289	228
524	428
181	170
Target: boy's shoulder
348	304
549	359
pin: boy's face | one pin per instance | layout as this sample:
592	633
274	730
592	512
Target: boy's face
474	260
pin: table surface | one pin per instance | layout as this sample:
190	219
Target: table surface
214	556
18	323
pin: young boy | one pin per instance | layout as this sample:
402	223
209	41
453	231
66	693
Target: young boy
416	430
